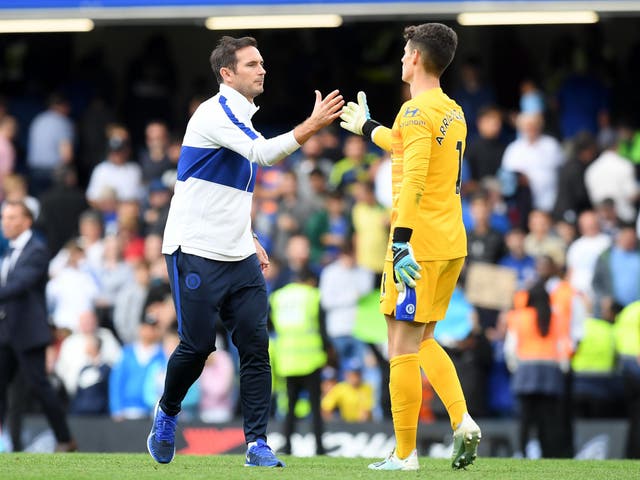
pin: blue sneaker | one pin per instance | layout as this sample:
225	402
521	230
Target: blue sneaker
161	442
261	455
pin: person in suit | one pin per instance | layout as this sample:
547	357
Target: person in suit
24	330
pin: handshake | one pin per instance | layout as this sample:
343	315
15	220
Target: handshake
356	117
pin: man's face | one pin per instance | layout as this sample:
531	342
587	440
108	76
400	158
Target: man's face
407	62
14	221
248	77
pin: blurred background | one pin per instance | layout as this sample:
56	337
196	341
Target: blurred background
94	101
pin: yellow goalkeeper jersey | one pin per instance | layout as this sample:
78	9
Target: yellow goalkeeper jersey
427	143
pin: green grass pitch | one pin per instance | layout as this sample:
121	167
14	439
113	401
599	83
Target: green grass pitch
230	467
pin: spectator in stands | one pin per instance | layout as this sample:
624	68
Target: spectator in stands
51	138
113	275
484	153
62	206
352	397
342	284
293	209
356	164
613	176
16	190
541	240
472	94
583	253
92	394
154	159
573	197
126	383
608	218
318	188
328	229
370	222
152	248
154	215
91	231
129	304
73	356
117	171
72	291
617	271
483	242
129	232
382	181
311	160
8	131
538	157
217	387
517	259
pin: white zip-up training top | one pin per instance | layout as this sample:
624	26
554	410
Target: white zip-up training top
210	213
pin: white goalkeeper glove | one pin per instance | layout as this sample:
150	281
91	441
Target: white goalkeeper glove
356	118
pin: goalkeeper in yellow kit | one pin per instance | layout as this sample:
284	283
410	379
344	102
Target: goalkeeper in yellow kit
428	241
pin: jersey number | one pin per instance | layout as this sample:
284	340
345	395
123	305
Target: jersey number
459	179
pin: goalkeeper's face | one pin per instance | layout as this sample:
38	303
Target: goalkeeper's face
248	76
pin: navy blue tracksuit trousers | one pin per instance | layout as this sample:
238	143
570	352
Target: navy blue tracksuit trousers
234	293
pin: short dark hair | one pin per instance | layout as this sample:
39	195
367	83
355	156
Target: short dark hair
26	211
437	44
224	55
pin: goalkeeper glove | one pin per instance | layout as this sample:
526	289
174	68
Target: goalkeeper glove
405	267
356	118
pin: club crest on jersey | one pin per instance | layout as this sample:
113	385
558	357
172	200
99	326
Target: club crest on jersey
411	112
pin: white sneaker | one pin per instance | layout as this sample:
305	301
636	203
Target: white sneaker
465	442
392	462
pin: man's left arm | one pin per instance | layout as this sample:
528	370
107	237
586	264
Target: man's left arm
27	276
416	140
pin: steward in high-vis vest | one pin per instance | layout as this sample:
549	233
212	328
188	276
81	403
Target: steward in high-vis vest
537	381
594	381
299	348
627	337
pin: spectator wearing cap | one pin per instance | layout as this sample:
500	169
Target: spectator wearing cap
126	382
116	172
50	145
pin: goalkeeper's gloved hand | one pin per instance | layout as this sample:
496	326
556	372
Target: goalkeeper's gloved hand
356	118
405	267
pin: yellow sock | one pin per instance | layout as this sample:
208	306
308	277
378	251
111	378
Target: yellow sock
442	375
405	386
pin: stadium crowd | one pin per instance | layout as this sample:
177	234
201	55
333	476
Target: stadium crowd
550	194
